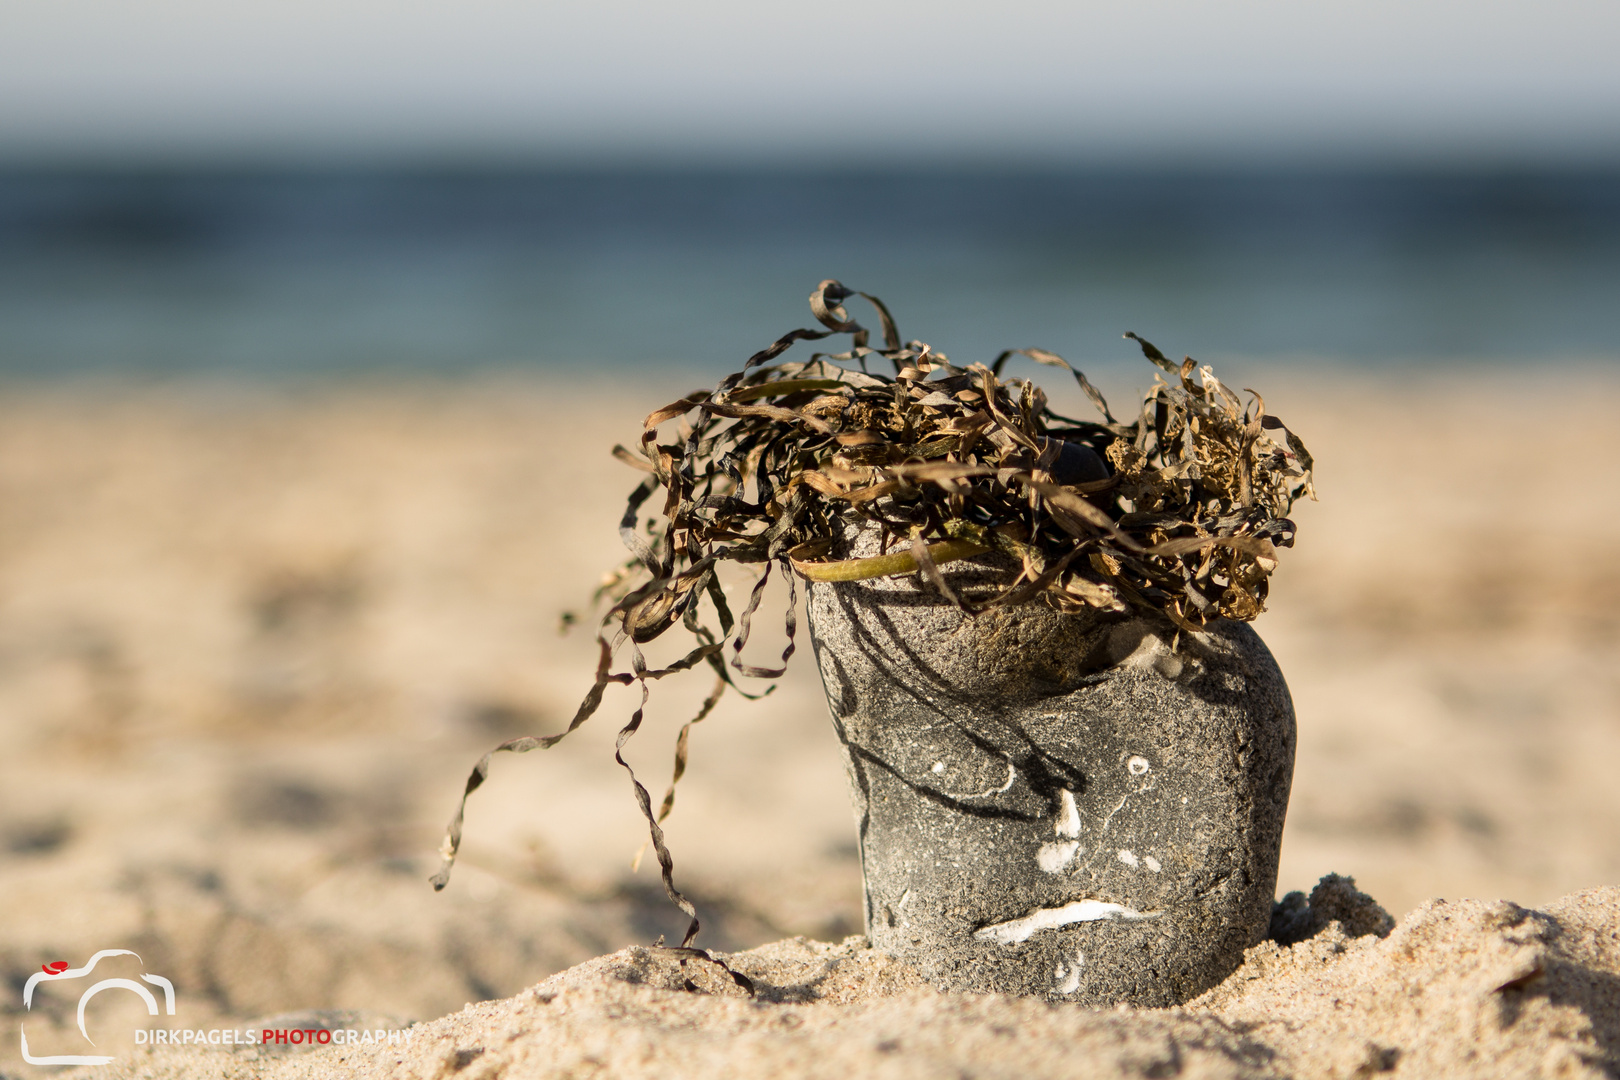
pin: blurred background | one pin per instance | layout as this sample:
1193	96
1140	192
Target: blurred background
296	188
317	322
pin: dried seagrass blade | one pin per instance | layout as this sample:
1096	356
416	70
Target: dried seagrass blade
875	566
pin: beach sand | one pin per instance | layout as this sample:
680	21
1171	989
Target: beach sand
252	640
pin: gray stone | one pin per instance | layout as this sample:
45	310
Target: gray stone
1050	804
1296	917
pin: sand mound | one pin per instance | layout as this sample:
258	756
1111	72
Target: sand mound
1458	989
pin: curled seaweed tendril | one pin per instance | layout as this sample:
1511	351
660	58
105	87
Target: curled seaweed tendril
1178	513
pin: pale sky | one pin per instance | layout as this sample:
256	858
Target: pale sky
867	83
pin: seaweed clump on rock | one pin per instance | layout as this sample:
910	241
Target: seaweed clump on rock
1178	513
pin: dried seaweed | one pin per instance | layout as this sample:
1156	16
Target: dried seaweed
1177	514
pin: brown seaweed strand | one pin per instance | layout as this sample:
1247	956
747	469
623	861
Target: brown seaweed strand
587	708
666	861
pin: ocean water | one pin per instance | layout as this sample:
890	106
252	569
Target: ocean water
299	273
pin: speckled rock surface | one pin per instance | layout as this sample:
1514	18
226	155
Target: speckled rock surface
1056	805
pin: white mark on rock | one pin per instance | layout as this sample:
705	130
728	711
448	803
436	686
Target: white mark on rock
1148	648
939	767
1012	774
1056	856
1067	975
1068	819
1138	765
1152	863
1109	819
897	913
1016	930
1053	858
1129	858
1151	653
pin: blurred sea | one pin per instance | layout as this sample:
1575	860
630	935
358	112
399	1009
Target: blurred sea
301	273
